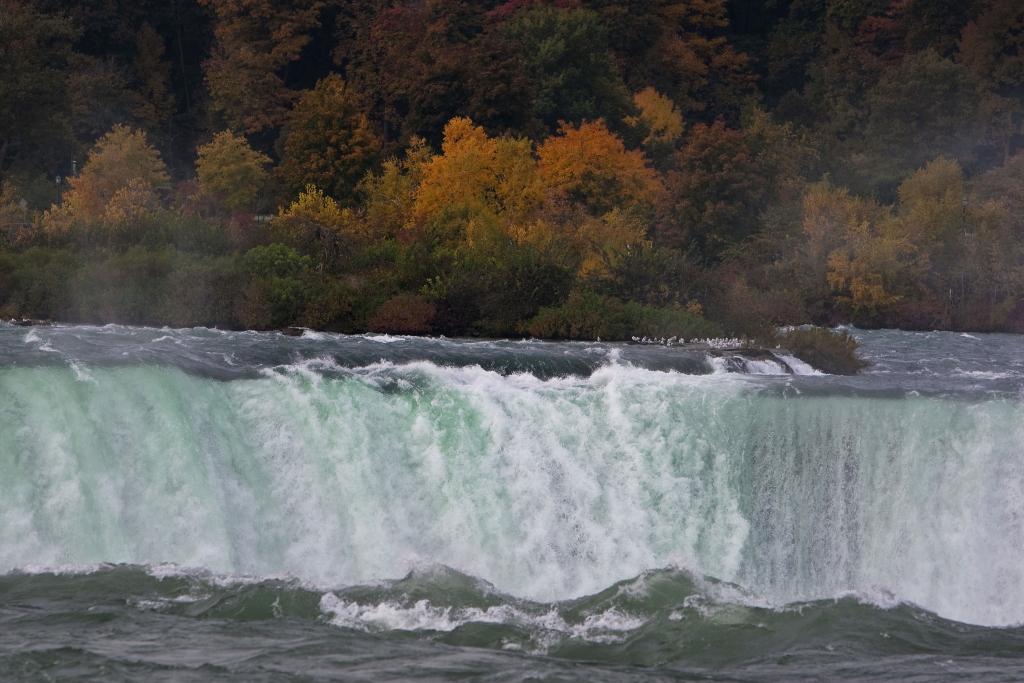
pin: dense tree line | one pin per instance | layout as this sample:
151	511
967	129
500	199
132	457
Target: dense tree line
562	168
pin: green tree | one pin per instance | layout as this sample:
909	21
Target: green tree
565	56
924	109
34	52
330	142
229	167
992	48
278	290
715	193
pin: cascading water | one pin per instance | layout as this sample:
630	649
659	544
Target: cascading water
549	471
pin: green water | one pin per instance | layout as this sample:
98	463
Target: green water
191	505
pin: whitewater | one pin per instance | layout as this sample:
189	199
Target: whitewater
505	508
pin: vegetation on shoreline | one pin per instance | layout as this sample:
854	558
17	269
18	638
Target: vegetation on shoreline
831	351
572	170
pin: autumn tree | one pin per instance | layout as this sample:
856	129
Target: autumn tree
254	42
391	195
661	122
883	33
870	263
959	234
330	142
592	166
999	194
478	182
316	224
230	168
616	189
932	204
116	187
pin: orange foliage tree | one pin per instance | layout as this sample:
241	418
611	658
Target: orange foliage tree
591	165
617	189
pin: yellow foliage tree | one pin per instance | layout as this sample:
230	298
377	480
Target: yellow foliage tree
117	184
663	121
478	179
130	206
869	260
606	240
865	270
390	196
932	204
313	206
229	167
316	222
10	212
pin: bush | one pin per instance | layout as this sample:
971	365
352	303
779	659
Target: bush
127	288
823	349
201	292
586	315
275	260
404	314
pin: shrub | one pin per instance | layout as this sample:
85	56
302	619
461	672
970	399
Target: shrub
275	260
823	349
404	314
586	315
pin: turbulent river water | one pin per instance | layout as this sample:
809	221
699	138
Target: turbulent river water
197	505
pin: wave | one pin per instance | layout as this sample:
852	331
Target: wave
661	618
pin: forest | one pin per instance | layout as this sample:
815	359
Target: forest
566	169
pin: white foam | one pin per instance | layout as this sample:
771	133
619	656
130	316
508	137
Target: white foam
606	626
383	338
763	367
81	374
798	366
